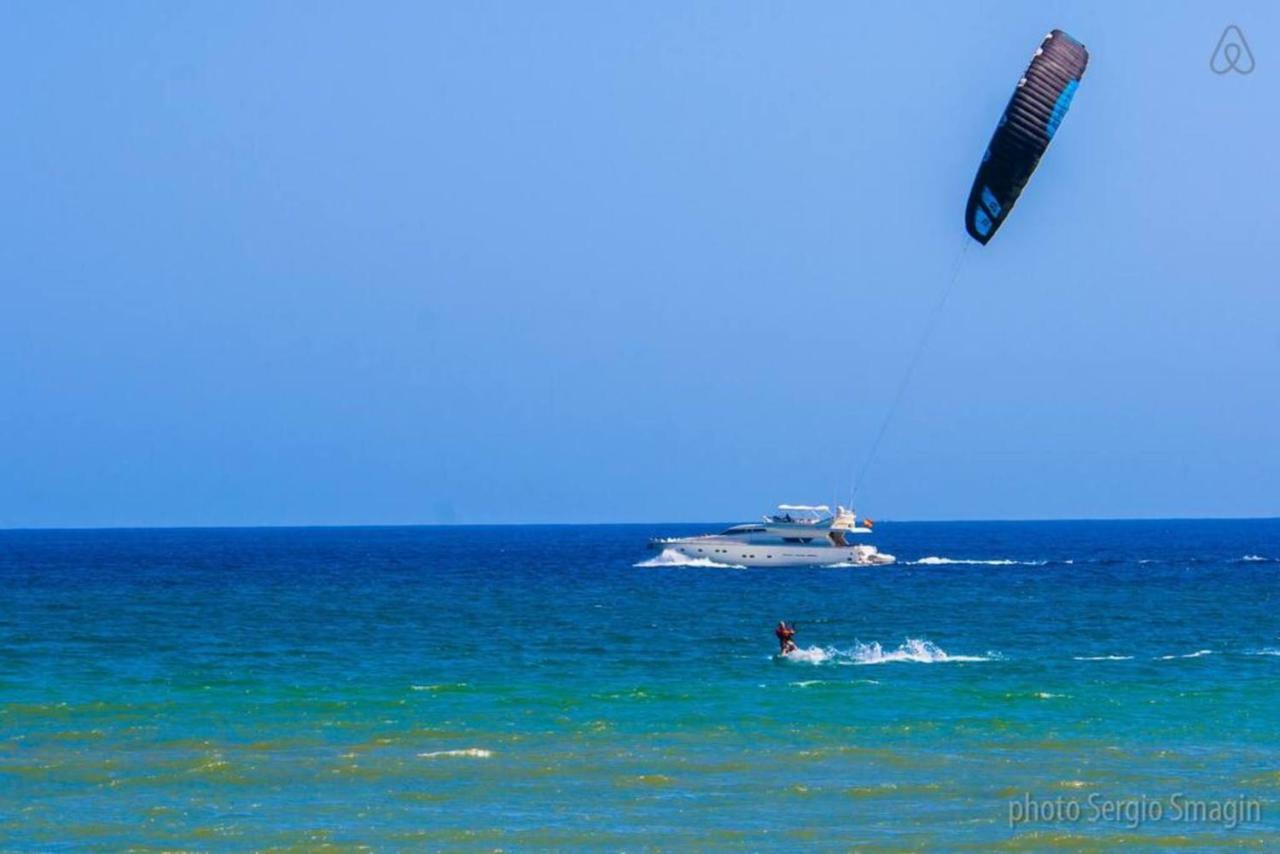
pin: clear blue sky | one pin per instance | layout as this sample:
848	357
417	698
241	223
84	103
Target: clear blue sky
328	263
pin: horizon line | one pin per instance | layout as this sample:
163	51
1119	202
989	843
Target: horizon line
383	525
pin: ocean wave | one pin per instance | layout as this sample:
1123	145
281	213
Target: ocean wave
471	752
950	561
1257	559
809	683
910	650
671	557
1200	653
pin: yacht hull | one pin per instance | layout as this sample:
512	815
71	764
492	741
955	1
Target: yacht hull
730	552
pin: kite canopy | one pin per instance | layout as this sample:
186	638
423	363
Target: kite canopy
1034	112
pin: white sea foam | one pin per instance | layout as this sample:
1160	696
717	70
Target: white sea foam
1103	657
471	752
810	655
1197	654
935	560
853	564
671	557
911	650
949	561
1267	650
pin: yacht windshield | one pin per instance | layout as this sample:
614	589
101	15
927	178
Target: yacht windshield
792	514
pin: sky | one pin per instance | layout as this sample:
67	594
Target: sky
321	263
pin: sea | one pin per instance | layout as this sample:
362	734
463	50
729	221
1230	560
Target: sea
1004	686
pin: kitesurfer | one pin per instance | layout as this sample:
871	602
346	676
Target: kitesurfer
785	635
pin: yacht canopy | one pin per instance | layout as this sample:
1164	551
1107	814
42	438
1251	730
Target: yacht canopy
806	508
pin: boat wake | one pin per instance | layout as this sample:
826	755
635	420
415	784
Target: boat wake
927	652
859	564
934	560
910	650
671	557
948	561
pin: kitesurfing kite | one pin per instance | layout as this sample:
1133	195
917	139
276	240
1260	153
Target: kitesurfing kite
1028	124
1036	109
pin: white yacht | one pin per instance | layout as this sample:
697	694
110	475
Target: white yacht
797	535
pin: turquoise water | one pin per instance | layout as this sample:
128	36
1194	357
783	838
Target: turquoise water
532	687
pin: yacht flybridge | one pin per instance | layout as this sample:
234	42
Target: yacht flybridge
796	535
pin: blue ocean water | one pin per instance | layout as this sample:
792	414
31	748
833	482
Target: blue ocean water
499	687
